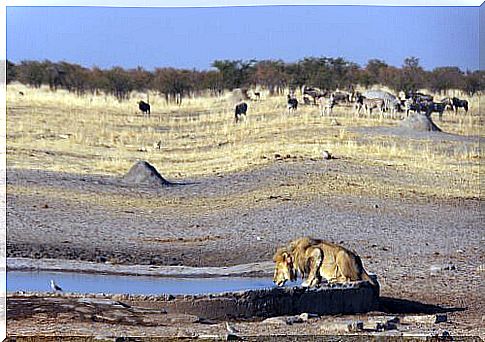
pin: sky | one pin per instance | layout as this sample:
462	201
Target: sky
195	37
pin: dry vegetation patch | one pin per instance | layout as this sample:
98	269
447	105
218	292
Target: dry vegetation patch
58	131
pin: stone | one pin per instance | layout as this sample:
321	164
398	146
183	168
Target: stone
339	327
326	155
440	268
144	173
420	122
424	319
381	323
275	320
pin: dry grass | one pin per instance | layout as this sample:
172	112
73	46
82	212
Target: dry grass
97	134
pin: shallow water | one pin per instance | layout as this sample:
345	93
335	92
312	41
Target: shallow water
99	283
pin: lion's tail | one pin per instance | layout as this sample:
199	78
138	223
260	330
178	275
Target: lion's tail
365	276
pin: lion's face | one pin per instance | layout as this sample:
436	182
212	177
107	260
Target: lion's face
284	269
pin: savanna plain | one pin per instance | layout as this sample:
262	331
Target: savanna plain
407	202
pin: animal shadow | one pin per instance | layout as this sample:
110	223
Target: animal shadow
405	306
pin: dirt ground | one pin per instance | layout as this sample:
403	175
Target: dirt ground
408	239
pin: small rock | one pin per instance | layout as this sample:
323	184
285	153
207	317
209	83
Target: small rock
381	323
424	319
275	320
326	155
439	268
376	206
304	317
337	327
294	319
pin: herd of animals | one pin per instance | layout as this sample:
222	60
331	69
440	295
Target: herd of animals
365	102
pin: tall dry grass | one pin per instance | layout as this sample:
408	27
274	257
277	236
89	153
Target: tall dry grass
59	131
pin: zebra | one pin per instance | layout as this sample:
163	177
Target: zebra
391	102
368	104
326	105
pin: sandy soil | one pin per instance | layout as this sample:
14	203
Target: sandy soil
403	236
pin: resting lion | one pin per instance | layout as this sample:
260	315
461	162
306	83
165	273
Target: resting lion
315	259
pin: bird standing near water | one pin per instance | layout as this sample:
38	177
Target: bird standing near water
55	287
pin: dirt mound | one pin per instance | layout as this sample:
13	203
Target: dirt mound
144	173
420	122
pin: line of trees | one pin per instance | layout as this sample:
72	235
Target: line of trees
274	75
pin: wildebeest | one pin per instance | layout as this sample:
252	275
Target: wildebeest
21	93
240	110
144	107
457	103
436	107
314	93
419	97
425	107
340	96
326	104
257	96
292	104
306	101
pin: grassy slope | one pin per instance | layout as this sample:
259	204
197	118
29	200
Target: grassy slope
96	134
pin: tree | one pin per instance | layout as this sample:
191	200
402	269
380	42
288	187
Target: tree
31	73
413	75
270	74
11	72
235	74
445	78
120	83
474	82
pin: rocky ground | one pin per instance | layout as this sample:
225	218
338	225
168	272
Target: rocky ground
425	249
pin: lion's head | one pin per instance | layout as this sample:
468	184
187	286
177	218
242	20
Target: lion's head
284	268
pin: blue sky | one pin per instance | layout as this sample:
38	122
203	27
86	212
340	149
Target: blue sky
194	37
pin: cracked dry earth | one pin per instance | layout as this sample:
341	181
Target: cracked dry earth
403	236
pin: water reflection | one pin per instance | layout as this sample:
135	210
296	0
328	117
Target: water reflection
98	283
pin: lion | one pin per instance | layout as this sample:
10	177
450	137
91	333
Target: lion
315	259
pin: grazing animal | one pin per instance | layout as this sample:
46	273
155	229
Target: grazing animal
436	107
448	102
341	96
292	104
241	109
457	103
419	97
257	96
315	260
306	101
314	93
55	287
369	104
391	102
425	107
326	105
21	93
144	107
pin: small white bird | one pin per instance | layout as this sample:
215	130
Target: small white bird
55	287
230	329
